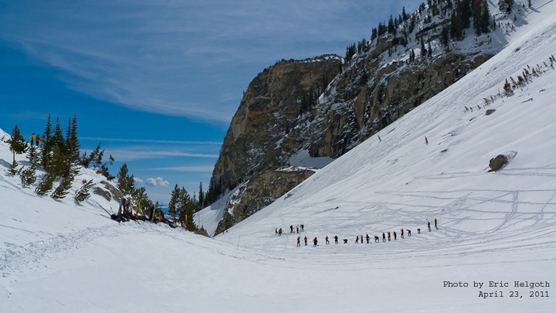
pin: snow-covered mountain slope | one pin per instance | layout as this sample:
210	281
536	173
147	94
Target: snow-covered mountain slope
496	226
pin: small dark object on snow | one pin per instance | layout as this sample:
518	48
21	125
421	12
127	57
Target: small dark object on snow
497	163
490	111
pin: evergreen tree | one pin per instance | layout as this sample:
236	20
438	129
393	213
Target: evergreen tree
423	49
57	164
391	26
373	34
481	17
201	196
63	189
45	185
72	145
187	211
28	176
59	138
82	193
506	5
47	145
12	170
174	200
16	142
445	36
126	183
33	155
141	195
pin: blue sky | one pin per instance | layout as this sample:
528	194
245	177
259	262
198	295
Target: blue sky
159	81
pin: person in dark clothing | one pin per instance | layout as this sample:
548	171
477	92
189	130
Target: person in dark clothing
336	239
345	241
298	239
280	231
388	236
429	225
302	227
383	237
315	241
394	235
418	230
367	237
327	240
305	240
409	233
377	239
357	239
402	233
291	229
435	224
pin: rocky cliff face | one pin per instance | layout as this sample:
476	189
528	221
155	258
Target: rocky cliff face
356	98
267	113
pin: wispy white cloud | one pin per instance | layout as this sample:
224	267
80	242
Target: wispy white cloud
181	58
152	141
132	155
192	169
137	180
159	181
28	115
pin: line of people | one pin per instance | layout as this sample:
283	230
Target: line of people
292	230
368	238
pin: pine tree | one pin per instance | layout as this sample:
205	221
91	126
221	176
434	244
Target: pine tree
16	142
82	193
28	176
445	36
187	210
72	146
423	50
201	196
174	199
63	189
506	5
126	183
33	155
47	145
141	195
45	185
57	164
12	170
59	138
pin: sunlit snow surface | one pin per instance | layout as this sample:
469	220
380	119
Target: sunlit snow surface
59	257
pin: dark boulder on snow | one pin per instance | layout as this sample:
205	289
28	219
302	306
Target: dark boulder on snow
497	163
490	111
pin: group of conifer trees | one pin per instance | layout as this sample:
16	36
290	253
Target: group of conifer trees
183	206
464	14
126	184
59	157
